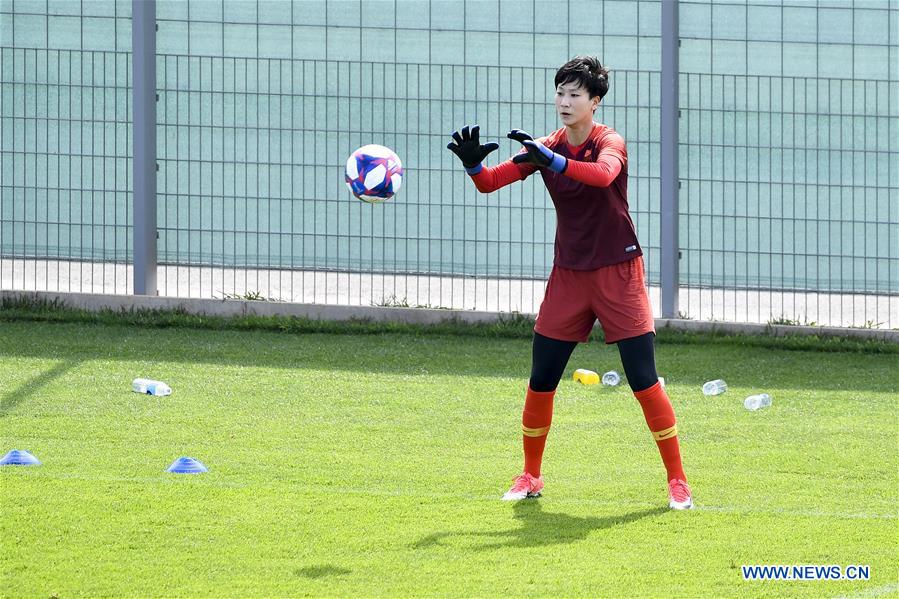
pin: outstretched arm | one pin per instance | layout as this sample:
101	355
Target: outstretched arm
601	173
492	178
596	174
466	145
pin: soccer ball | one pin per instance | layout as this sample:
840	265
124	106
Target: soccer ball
374	173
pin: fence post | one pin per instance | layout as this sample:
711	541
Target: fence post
669	154
143	73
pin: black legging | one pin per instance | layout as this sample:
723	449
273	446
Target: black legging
550	356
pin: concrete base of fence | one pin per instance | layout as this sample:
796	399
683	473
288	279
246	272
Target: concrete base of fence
233	307
774	330
439	292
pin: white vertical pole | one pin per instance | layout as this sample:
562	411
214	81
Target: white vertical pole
143	72
669	153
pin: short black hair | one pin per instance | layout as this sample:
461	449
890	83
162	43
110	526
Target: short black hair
586	71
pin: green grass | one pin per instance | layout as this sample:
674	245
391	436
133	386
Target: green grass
358	464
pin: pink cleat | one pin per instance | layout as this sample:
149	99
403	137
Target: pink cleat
523	487
679	495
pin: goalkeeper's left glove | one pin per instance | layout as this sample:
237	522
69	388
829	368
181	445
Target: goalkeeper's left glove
537	153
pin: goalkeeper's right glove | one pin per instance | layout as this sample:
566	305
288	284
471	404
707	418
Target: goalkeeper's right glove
536	153
467	146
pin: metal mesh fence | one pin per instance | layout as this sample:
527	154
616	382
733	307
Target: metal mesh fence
65	146
787	192
789	162
788	173
65	209
252	183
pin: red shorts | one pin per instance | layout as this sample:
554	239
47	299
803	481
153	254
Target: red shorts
614	294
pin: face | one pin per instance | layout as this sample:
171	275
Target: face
574	104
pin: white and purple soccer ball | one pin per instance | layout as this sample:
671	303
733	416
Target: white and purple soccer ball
374	173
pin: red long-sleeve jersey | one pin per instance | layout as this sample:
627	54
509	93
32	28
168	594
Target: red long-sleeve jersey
593	225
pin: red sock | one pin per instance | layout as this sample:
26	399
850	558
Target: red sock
660	418
535	421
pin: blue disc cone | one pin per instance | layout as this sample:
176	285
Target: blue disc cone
18	457
187	466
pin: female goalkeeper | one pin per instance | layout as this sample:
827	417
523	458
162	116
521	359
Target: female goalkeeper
597	269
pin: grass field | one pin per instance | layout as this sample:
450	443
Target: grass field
371	465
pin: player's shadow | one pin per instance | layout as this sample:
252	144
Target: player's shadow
322	571
538	528
31	387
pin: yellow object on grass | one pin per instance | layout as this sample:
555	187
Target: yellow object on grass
586	377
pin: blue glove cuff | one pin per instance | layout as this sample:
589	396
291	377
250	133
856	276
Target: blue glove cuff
559	163
474	170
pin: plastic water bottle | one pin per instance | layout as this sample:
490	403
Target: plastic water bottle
757	402
611	378
150	387
716	387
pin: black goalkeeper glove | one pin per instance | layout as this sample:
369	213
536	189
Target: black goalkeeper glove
467	146
537	154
